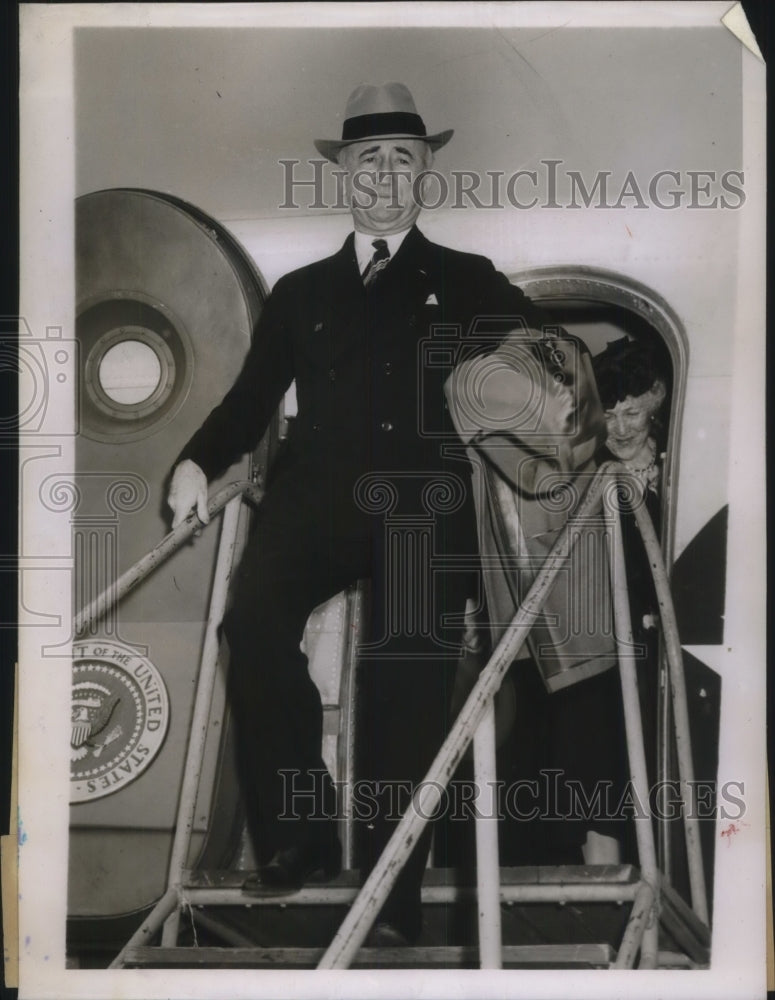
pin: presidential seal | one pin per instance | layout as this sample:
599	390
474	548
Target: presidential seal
119	713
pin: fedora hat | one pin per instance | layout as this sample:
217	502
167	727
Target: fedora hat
385	111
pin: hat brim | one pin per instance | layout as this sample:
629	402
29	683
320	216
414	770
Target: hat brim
330	148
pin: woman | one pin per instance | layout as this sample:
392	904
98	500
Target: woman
587	720
576	733
632	390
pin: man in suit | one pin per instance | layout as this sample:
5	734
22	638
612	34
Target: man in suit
373	484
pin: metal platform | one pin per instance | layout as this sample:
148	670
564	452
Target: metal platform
447	957
607	916
552	917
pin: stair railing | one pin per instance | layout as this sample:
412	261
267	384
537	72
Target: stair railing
475	723
228	499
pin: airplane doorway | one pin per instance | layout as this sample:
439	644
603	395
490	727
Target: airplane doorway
601	307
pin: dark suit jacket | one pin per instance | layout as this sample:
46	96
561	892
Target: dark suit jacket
368	366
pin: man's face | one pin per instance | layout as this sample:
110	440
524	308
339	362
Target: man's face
383	183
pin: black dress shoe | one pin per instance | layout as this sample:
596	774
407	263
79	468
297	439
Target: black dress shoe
385	935
290	868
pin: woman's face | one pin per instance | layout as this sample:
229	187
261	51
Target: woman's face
629	422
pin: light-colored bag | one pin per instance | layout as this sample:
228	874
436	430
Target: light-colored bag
532	418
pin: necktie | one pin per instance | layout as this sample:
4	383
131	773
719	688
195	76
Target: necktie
377	263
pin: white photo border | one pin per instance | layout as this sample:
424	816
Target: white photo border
47	186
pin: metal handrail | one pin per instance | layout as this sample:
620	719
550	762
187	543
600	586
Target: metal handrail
171	542
474	722
229	499
478	710
427	797
672	643
642	928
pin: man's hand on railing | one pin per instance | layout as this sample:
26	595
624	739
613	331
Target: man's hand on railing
188	489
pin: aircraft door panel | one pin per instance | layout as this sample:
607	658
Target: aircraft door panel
601	307
166	304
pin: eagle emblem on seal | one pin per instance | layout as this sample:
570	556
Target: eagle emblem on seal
119	712
92	708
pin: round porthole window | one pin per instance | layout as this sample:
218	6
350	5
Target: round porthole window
130	372
137	366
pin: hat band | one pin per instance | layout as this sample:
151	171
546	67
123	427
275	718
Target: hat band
384	123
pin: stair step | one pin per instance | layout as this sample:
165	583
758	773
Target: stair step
538	931
525	874
564	883
545	956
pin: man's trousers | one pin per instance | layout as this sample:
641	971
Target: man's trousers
307	545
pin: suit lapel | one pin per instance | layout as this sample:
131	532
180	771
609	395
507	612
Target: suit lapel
340	304
411	278
410	264
345	277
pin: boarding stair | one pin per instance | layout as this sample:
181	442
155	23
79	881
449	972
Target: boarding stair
562	916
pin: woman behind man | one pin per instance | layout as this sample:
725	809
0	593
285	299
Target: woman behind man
632	390
632	387
576	732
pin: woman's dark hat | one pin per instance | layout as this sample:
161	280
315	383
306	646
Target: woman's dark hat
626	368
386	111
